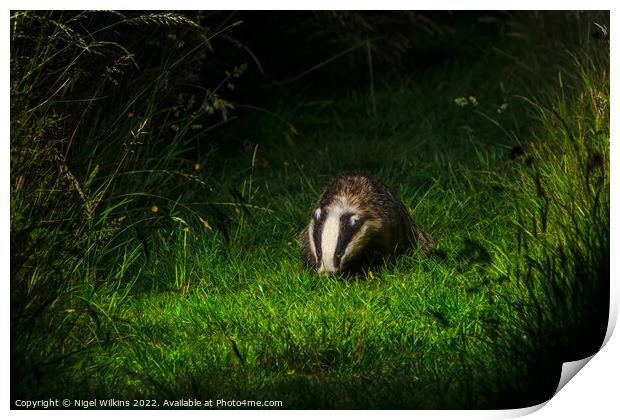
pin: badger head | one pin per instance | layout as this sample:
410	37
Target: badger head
340	236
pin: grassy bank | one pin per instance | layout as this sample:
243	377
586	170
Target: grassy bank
186	281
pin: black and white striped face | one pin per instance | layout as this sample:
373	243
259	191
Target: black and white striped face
336	234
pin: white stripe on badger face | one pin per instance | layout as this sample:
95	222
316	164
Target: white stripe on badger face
311	240
358	241
329	239
329	235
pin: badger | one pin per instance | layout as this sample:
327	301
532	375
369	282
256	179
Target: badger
357	222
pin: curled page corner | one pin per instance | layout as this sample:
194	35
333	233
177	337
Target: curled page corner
569	370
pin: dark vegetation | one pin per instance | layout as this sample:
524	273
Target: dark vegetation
162	165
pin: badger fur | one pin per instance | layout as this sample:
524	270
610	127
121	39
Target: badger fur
356	222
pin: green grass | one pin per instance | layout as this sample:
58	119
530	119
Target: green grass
516	197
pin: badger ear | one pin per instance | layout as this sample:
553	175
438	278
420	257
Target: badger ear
354	219
317	213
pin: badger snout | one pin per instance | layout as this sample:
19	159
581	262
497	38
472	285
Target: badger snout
327	271
328	265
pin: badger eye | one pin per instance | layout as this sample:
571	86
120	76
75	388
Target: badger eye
317	214
354	219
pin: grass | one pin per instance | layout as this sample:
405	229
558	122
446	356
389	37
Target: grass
512	185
